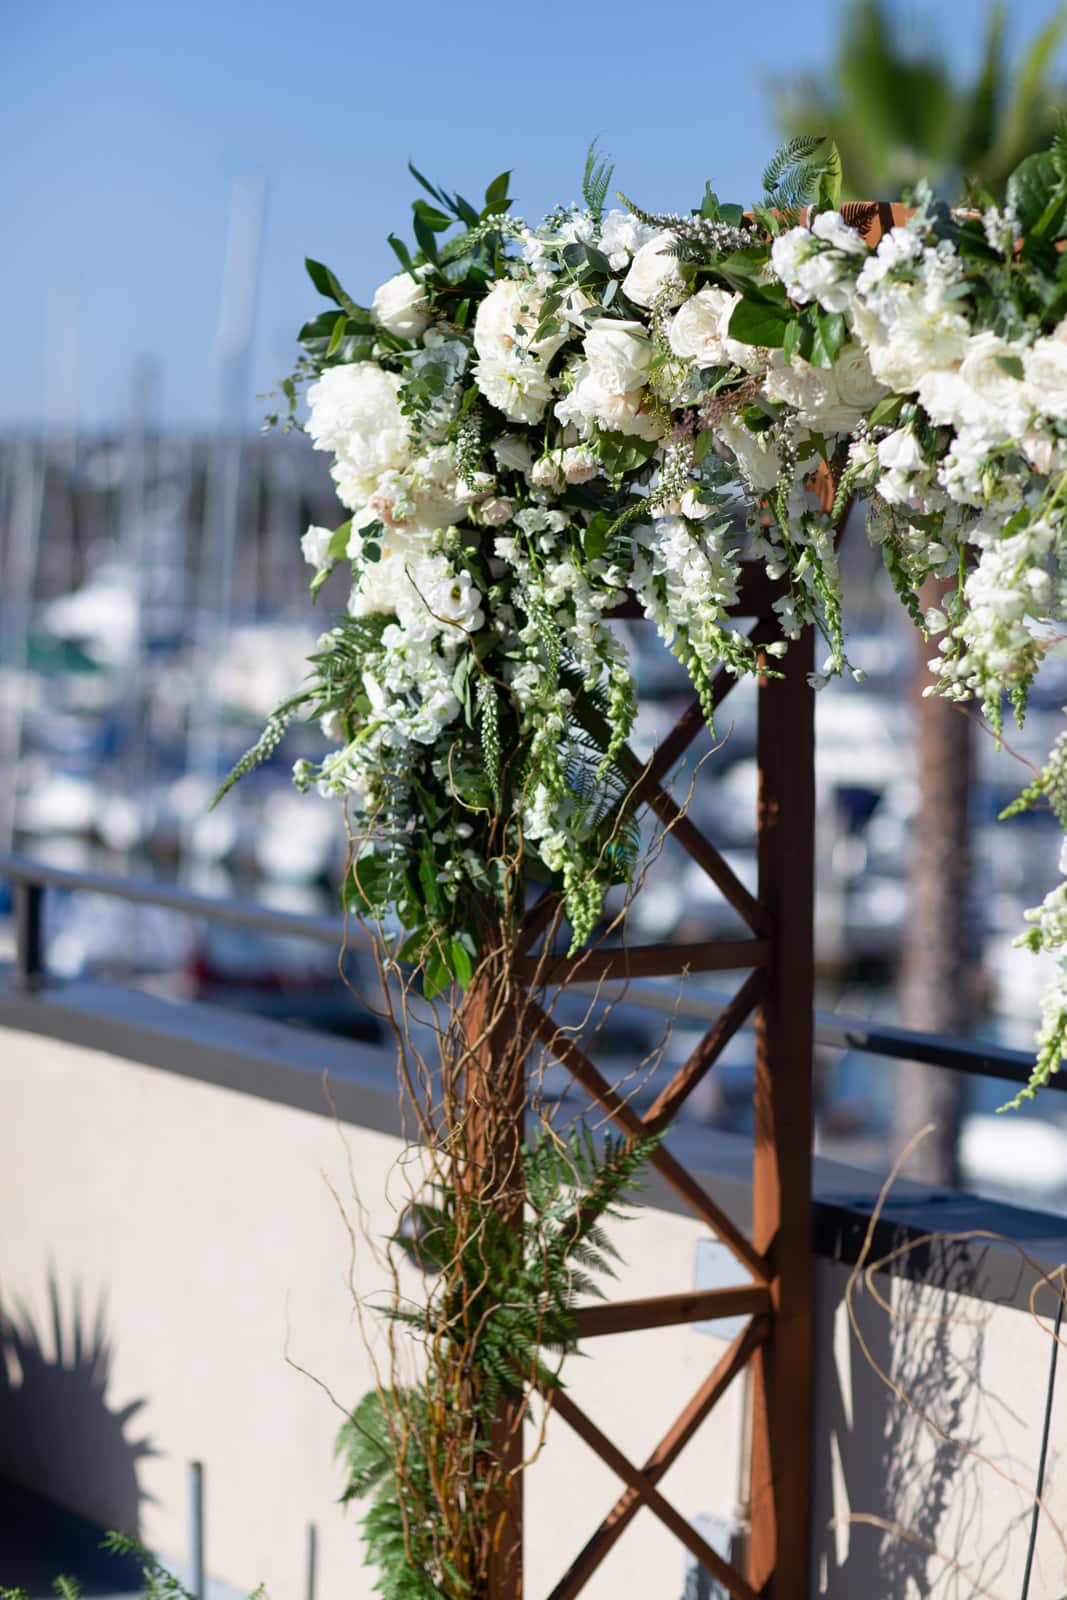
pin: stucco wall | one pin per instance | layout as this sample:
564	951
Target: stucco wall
190	1235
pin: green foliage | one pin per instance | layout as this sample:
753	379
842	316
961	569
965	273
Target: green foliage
505	1296
898	111
596	180
158	1582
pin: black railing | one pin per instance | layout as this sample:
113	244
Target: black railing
29	880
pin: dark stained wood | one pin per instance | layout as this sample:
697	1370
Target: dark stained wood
624	1116
650	1496
780	1503
667	1310
663	1457
667	1104
644	961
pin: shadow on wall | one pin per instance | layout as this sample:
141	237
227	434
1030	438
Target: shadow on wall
901	1491
60	1437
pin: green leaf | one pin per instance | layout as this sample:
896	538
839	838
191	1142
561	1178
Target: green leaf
371	884
437	220
828	194
327	284
1012	365
497	192
1032	186
759	322
426	184
886	411
402	253
424	234
732	215
792	341
339	540
460	963
337	335
596	535
435	974
704	442
830	333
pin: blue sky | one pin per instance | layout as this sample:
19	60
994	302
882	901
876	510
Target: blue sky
126	124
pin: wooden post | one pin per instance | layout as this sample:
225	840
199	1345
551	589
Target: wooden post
495	1111
779	1548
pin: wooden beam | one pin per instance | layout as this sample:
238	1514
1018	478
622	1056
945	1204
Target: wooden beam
667	1310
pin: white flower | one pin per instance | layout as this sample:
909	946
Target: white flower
856	383
516	384
1045	368
591	402
400	306
621	236
508	317
756	453
653	276
826	399
355	412
513	453
900	451
579	465
495	512
698	330
831	227
813	264
981	396
315	547
619	354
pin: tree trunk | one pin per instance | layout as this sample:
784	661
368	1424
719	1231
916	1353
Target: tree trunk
939	987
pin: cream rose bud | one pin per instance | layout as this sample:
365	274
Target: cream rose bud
652	274
619	354
400	306
579	465
546	473
494	513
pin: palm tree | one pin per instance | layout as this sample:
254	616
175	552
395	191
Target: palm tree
897	112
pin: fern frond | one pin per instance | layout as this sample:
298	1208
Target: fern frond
596	180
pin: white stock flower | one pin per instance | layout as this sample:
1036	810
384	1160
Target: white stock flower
653	275
400	306
621	236
813	263
619	354
901	451
981	395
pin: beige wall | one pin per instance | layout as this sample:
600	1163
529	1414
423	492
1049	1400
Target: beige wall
203	1220
199	1223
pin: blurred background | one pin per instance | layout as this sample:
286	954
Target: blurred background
172	167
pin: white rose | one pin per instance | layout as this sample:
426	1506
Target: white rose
591	402
400	306
546	473
355	412
619	354
507	317
698	329
652	274
495	512
315	547
856	383
813	394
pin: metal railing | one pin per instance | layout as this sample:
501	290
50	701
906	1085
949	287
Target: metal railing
30	879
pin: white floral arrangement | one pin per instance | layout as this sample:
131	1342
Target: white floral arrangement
529	424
